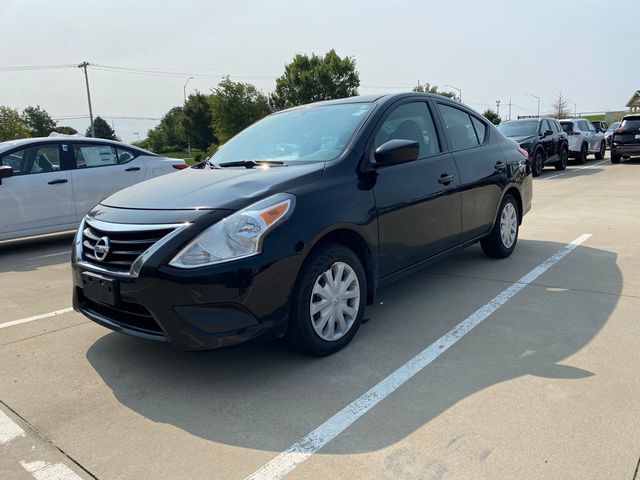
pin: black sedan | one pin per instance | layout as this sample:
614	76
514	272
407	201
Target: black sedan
292	226
543	138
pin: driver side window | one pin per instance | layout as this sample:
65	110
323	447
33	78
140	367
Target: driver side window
36	159
411	121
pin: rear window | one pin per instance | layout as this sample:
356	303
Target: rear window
630	124
567	126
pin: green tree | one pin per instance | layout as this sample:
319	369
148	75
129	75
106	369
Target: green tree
492	116
314	78
197	120
65	130
11	124
235	106
428	88
157	140
38	121
102	129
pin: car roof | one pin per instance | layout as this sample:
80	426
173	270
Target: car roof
380	99
574	120
633	116
4	146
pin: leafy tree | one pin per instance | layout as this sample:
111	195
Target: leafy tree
428	88
492	116
157	140
235	106
197	120
11	125
65	130
38	121
561	107
102	129
315	78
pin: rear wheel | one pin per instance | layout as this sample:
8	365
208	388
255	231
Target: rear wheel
504	234
615	158
537	164
328	301
584	151
603	150
561	164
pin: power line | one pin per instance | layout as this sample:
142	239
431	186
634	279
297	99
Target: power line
35	67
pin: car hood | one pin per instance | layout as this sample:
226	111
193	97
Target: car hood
523	138
222	188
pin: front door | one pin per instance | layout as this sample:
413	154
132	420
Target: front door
418	202
38	198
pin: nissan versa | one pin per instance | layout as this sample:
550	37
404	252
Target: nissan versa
292	226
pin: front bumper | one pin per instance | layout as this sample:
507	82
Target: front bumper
203	308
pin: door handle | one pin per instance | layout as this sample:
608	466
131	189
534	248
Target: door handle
446	179
500	166
57	181
132	169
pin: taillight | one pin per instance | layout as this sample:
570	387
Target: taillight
524	153
180	166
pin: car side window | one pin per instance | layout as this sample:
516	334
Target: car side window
125	155
37	159
459	127
411	121
91	155
582	125
481	129
556	126
591	127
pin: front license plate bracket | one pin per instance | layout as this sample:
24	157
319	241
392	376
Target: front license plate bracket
100	288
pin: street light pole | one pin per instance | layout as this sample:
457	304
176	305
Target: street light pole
84	66
575	109
137	135
535	96
184	89
459	91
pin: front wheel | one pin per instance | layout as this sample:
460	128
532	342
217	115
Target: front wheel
561	164
503	237
603	150
328	302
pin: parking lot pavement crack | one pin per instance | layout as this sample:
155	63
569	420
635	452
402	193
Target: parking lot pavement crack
48	441
44	333
535	284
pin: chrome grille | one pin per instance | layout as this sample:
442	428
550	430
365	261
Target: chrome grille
124	247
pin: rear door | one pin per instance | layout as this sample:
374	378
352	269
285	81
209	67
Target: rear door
100	170
594	137
418	202
482	168
38	198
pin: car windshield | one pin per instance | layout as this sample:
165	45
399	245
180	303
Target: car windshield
630	124
613	126
519	129
314	134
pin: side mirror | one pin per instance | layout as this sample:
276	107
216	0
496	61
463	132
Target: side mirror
5	172
396	151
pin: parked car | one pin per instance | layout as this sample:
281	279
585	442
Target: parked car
264	240
625	142
542	138
583	139
48	185
600	126
609	133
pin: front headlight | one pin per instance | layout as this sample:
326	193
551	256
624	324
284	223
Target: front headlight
237	236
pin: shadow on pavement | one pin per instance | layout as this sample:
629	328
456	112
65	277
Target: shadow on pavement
267	396
34	253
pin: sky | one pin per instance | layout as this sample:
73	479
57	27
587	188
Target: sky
491	50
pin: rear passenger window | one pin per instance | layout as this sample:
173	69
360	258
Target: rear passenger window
89	155
125	155
459	127
481	129
556	126
411	121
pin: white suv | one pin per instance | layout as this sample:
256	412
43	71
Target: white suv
583	139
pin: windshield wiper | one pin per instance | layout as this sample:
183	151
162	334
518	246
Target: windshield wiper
253	163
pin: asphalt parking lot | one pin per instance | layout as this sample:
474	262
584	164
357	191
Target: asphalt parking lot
545	386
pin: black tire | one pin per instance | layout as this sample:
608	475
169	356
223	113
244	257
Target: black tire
603	150
564	158
300	333
492	245
615	158
584	152
537	164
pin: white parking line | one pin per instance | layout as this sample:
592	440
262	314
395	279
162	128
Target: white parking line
334	426
35	317
49	471
66	252
8	429
575	170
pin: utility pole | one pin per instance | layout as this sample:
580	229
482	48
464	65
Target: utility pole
509	109
535	96
498	107
459	92
84	66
